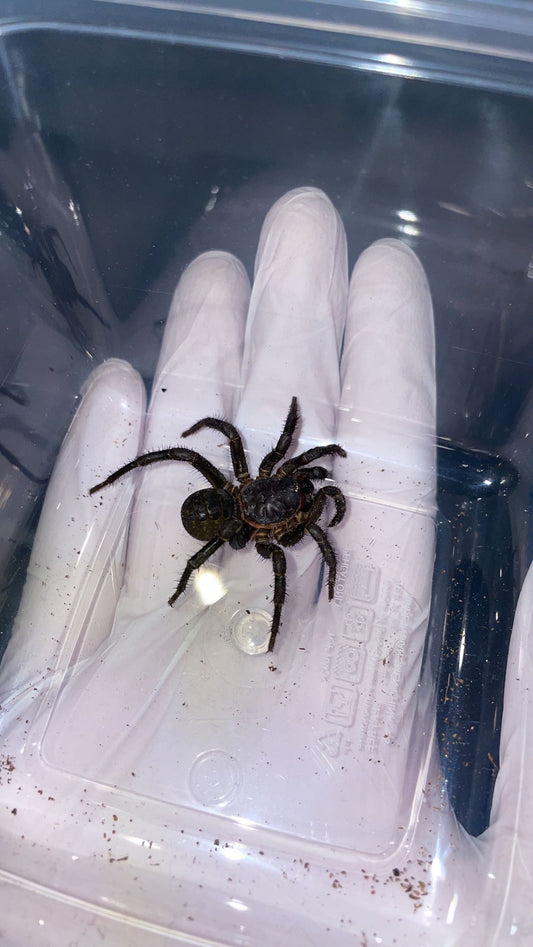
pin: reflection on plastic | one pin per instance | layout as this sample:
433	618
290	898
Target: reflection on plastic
209	586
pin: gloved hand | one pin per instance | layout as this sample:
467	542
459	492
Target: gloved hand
156	748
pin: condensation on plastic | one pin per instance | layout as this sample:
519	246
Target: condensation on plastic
171	776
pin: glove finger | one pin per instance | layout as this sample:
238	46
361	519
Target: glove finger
197	376
76	565
296	320
385	545
387	421
388	396
293	335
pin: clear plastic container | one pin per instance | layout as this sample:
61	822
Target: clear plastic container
136	136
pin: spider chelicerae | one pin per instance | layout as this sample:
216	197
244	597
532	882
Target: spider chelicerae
275	509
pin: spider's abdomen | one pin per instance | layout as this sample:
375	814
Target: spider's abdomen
205	512
269	501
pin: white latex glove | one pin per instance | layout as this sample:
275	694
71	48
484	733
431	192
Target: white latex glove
173	778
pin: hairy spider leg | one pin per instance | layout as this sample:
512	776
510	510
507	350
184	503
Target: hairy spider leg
312	473
312	454
327	551
195	562
209	471
269	550
278	452
319	502
238	458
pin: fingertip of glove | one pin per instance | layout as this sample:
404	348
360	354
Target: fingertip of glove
299	210
306	196
113	373
214	269
113	402
393	256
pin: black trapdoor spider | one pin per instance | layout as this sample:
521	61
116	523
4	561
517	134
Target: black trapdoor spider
274	509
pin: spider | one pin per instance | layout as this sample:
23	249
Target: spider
274	509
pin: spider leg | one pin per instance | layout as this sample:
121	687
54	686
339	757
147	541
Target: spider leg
319	502
193	563
327	551
238	458
293	535
269	550
312	473
312	454
210	472
284	442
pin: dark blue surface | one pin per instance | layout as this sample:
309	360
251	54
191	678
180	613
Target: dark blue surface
475	494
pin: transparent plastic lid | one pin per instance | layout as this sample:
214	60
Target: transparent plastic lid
265	474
